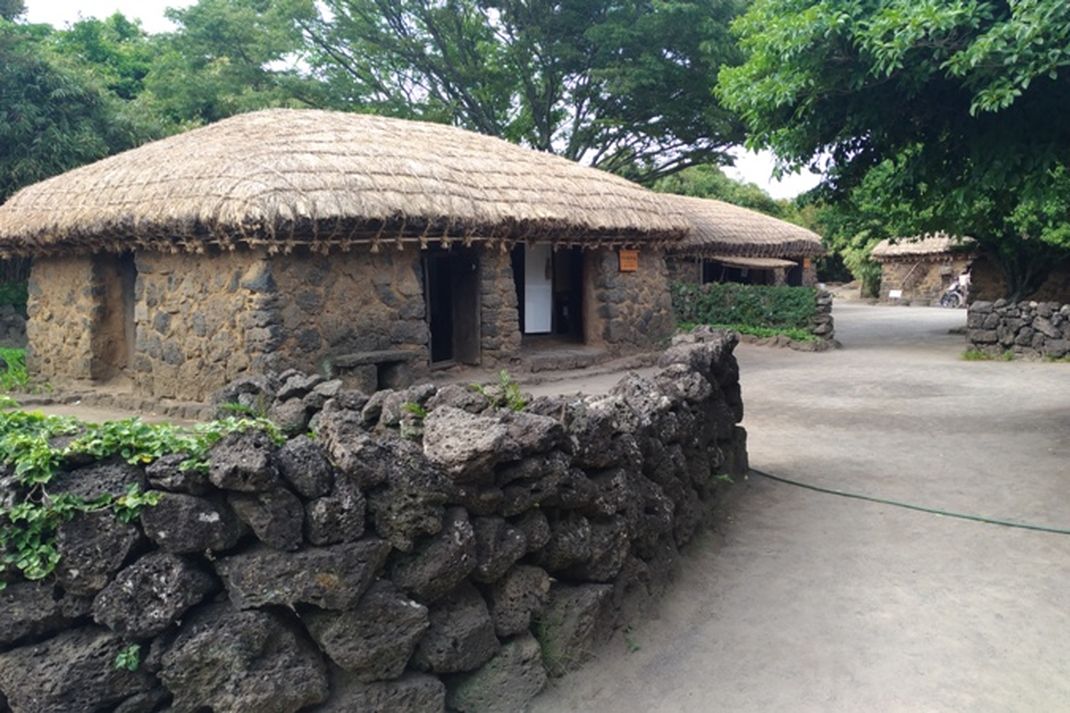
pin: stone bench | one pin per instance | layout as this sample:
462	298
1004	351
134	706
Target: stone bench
373	370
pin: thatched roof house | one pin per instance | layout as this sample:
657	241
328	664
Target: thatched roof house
920	268
329	240
730	243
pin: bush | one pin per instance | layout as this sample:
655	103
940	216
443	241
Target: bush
730	303
14	294
13	373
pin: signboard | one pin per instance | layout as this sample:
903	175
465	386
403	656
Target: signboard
806	262
629	260
895	294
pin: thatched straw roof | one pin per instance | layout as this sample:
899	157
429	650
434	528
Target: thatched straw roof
722	228
920	246
281	178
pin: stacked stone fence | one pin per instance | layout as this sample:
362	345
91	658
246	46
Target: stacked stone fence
1025	329
410	551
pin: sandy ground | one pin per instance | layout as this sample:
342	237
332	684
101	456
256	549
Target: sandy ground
810	602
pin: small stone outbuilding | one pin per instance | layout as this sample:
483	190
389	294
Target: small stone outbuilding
370	248
728	243
920	269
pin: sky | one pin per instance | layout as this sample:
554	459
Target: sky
753	167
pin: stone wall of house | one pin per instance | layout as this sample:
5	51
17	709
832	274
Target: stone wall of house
1026	329
201	321
684	269
922	281
988	284
499	318
404	560
63	304
349	302
627	310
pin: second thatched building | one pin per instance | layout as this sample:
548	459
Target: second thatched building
359	245
728	243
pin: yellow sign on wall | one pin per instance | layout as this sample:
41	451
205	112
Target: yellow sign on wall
629	260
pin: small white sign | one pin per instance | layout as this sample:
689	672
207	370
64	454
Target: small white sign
895	294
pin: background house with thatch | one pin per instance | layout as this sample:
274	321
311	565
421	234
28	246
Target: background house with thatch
360	245
728	243
921	268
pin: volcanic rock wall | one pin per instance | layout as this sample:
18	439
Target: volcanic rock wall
1025	329
425	549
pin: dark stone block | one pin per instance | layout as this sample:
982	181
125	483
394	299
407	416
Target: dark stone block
229	660
34	609
332	577
190	524
441	563
507	682
374	640
244	461
275	516
150	595
92	547
461	636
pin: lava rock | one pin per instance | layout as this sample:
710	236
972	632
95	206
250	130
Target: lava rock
411	501
239	661
166	473
516	597
113	477
531	433
146	702
338	517
275	516
498	546
609	549
304	465
374	640
465	445
150	595
332	577
569	545
412	693
92	547
536	529
461	636
73	672
505	684
441	563
244	461
188	524
460	397
290	416
566	628
298	385
34	609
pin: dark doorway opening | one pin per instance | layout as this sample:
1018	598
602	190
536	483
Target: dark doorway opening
557	310
795	276
713	271
452	292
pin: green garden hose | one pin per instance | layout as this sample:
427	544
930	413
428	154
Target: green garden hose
911	506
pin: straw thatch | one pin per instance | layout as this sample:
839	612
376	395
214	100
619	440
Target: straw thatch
281	178
928	245
722	228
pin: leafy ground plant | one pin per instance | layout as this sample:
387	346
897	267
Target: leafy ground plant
13	375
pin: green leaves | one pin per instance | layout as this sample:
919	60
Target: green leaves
29	442
129	658
746	306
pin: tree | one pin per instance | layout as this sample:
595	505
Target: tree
11	9
624	86
961	101
52	118
231	56
116	51
709	181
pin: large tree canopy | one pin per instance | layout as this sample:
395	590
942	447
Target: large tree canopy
962	102
621	85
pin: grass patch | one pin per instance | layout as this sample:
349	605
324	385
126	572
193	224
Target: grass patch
14	376
978	355
794	333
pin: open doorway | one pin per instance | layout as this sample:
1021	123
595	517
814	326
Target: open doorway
549	290
113	335
452	292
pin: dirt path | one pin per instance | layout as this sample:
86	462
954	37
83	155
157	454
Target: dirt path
809	602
